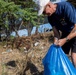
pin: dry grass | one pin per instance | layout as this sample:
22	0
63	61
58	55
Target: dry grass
28	61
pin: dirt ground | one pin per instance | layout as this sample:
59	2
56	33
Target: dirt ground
26	56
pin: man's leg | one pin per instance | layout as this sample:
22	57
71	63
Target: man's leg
73	53
74	59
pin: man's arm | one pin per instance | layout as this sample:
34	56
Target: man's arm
72	34
56	35
56	32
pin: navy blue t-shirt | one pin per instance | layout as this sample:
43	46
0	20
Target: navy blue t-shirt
64	18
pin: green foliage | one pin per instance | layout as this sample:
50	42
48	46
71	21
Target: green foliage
28	13
6	7
27	10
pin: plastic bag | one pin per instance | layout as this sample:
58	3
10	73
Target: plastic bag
57	63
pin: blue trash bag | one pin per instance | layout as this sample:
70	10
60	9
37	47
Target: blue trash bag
56	62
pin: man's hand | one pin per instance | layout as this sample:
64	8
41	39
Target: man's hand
56	41
61	42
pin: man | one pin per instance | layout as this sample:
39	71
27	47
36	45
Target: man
62	17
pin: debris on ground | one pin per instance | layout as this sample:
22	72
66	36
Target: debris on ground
25	58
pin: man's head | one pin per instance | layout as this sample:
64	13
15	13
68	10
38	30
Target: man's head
47	7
